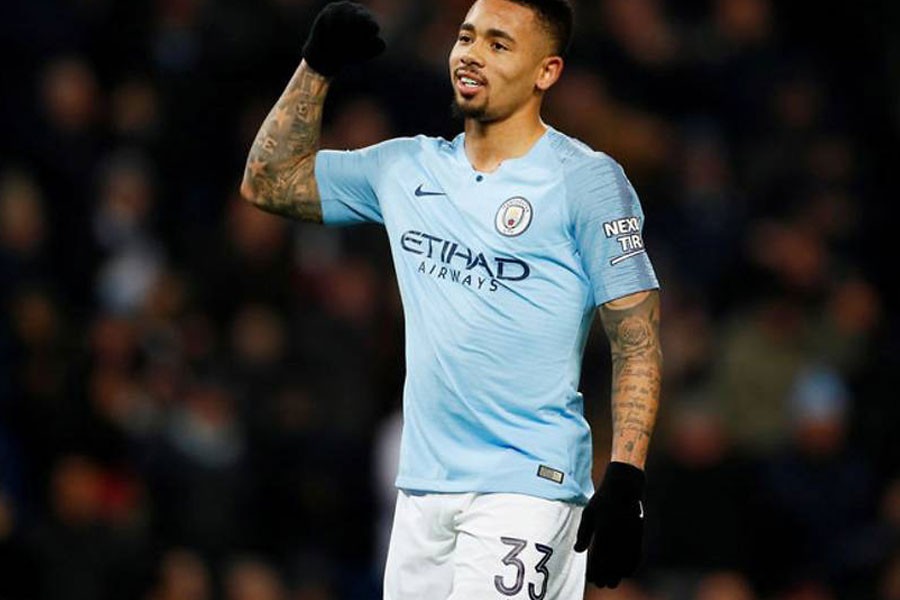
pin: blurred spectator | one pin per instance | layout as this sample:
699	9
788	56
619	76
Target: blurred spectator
199	473
796	105
182	576
123	231
45	410
251	263
743	23
135	113
819	490
249	579
258	339
64	151
259	349
701	495
350	300
797	258
851	315
71	95
361	123
735	50
176	41
706	227
23	232
77	554
761	353
688	340
641	29
808	590
724	585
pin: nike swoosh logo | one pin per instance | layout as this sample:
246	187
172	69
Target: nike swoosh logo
420	192
641	507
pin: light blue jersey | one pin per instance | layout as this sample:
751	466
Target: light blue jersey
500	275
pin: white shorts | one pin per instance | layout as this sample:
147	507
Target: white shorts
483	546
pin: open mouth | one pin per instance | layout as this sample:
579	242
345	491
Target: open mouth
468	84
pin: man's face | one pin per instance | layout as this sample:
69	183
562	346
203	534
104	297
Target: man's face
497	60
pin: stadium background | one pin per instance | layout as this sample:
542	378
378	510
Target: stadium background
198	401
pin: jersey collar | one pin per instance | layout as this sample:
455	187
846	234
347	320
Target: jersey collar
541	153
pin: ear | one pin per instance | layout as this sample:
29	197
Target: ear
550	70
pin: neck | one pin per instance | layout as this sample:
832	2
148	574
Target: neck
490	143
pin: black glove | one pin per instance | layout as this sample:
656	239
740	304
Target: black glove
615	519
344	33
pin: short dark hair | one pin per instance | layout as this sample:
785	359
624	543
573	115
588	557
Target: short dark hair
558	17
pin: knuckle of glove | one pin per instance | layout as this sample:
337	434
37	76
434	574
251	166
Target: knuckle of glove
351	18
343	33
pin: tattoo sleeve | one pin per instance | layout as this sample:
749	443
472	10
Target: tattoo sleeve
632	326
280	173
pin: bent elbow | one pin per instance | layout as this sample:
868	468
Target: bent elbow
248	192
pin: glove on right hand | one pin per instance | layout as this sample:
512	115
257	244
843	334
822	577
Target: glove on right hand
343	33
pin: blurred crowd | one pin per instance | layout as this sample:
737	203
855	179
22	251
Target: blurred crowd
199	401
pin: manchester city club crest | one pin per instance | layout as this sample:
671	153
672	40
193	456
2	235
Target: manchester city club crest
514	217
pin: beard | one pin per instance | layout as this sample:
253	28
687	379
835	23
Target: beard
461	112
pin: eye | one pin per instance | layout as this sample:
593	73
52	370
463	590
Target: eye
499	47
464	38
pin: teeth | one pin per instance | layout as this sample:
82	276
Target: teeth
469	81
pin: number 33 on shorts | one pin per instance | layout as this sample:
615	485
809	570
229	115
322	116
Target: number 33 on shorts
535	591
484	547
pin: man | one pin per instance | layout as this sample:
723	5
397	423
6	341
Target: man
504	241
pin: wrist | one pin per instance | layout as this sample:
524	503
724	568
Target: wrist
630	446
310	71
623	481
630	458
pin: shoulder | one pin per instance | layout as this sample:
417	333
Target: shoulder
413	145
590	176
395	151
577	158
395	146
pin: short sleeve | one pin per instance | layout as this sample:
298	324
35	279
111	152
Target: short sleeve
347	185
607	224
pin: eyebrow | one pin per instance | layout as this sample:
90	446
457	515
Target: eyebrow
492	32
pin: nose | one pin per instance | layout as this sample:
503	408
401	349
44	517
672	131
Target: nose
470	58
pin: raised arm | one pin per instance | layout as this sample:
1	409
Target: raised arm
632	326
280	173
280	176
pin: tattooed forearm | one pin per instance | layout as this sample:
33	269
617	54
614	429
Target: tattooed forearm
280	174
632	325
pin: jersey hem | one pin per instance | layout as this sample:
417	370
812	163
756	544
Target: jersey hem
410	484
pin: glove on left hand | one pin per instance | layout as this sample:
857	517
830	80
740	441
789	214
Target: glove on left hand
614	518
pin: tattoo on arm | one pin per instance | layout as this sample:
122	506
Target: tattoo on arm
632	326
280	173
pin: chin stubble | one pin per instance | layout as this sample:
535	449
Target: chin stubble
461	112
